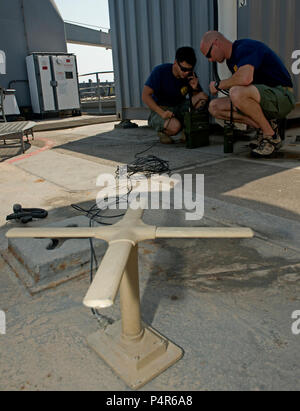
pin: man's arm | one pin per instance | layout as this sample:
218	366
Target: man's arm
243	77
149	101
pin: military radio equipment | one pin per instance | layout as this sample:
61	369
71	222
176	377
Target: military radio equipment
196	125
228	138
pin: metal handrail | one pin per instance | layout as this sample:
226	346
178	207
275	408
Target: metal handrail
96	89
97	72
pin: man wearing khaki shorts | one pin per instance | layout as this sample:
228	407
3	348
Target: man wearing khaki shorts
165	94
260	89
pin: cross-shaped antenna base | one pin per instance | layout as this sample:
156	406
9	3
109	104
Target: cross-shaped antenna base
135	352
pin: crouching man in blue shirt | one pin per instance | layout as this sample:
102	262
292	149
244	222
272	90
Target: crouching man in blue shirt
165	94
260	89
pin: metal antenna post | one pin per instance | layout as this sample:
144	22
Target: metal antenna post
130	300
136	352
133	350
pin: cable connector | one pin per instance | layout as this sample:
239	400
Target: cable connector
25	215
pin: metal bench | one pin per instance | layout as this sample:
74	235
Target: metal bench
17	131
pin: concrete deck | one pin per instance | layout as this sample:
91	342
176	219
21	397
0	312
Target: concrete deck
227	303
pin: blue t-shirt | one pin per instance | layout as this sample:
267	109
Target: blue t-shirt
168	90
269	69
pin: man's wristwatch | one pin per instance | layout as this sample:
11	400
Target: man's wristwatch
217	84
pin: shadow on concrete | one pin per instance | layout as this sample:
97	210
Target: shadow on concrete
259	183
232	339
260	186
170	267
121	146
12	149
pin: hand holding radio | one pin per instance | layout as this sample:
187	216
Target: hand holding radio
193	81
213	89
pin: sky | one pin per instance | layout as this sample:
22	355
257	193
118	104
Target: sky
95	13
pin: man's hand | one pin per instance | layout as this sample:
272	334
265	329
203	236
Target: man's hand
167	114
193	82
213	89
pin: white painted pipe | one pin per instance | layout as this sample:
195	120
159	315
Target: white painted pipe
52	232
105	286
203	232
121	238
132	329
106	232
103	233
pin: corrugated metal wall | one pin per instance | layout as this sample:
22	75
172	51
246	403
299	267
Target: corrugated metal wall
275	22
146	33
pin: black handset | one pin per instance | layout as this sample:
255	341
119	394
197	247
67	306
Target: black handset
191	76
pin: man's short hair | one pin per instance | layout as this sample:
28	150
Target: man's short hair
186	54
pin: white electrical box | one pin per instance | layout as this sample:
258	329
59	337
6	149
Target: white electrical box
53	82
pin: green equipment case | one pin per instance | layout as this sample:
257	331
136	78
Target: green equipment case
196	128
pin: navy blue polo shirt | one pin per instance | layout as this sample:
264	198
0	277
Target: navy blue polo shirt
168	90
269	69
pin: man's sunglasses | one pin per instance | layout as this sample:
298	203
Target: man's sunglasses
208	55
184	69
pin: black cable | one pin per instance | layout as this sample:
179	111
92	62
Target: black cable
94	216
147	149
93	213
149	165
225	93
166	127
